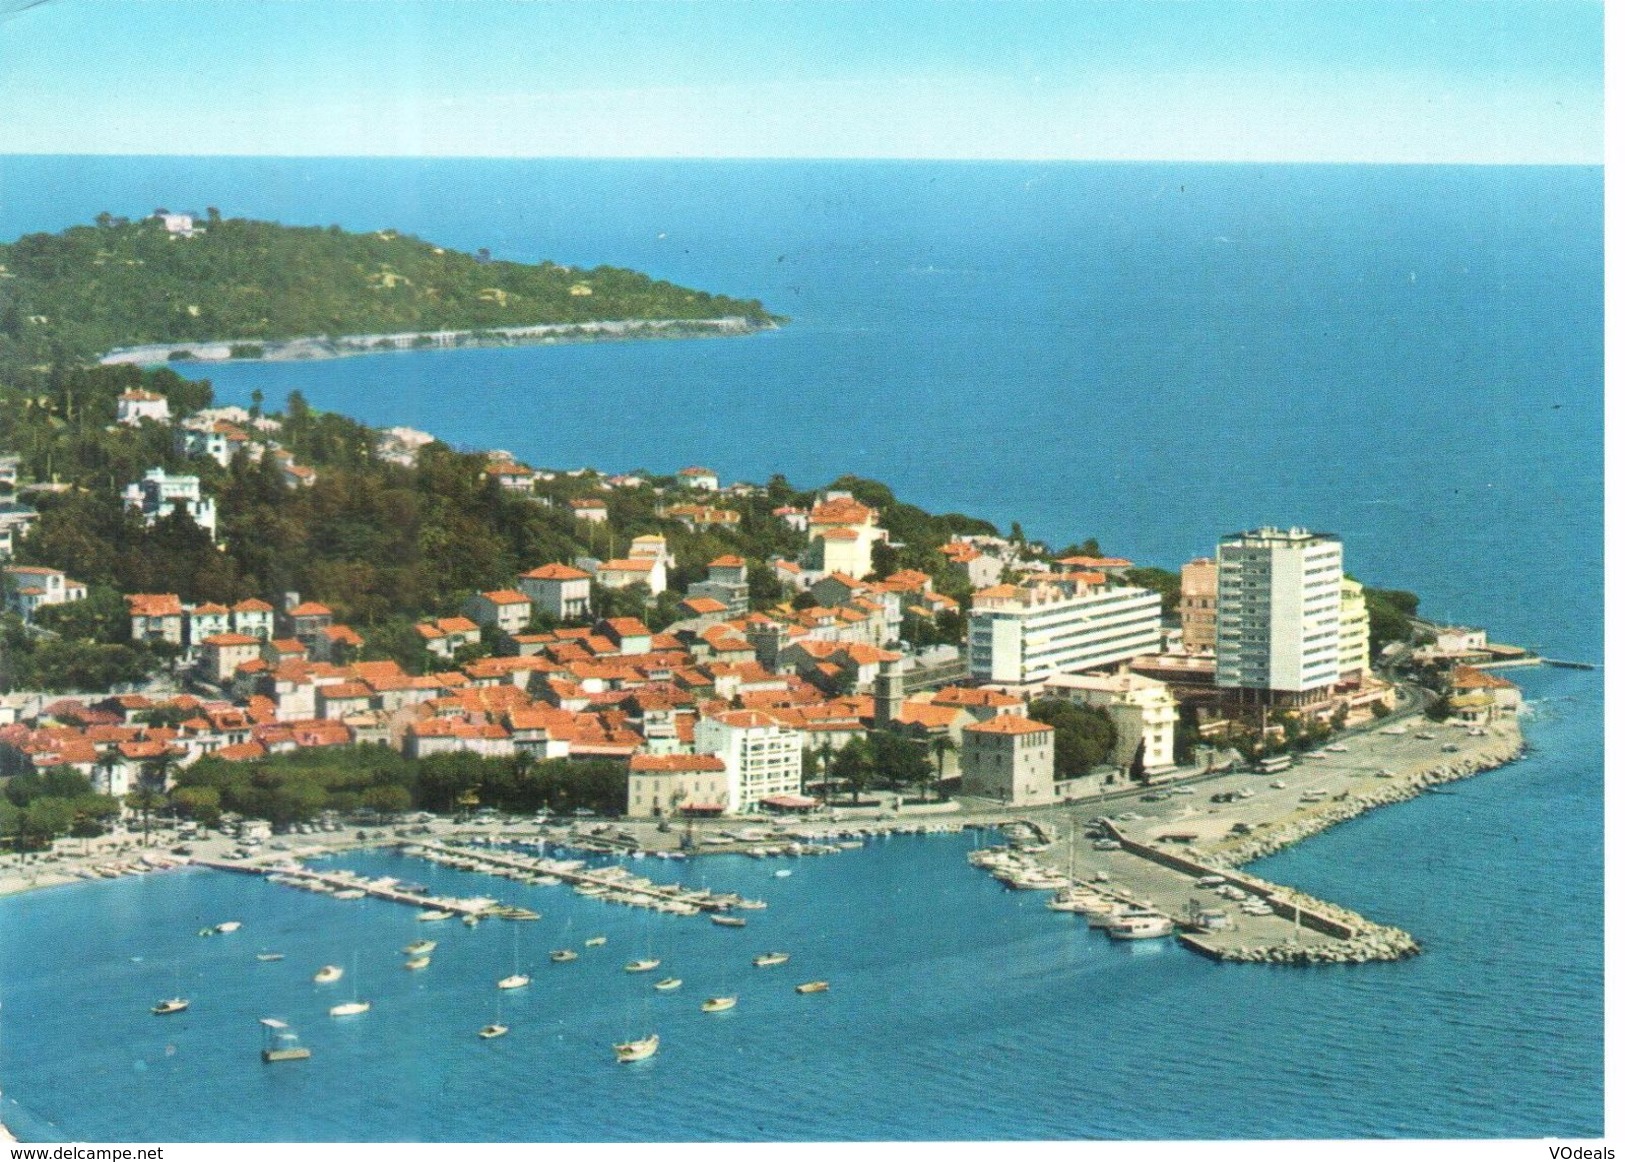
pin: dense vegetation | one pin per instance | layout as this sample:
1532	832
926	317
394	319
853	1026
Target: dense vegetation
39	807
1084	735
76	294
300	785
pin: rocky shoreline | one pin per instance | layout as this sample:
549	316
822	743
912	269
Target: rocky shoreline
344	346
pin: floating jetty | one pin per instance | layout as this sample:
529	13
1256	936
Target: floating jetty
331	883
613	885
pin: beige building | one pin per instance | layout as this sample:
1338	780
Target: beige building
1141	708
1199	605
224	652
659	786
842	534
1354	633
506	609
1009	758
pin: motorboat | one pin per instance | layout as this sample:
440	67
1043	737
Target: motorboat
563	955
173	1005
813	986
769	959
596	941
517	981
281	1043
420	947
639	1050
328	973
642	965
491	1031
416	962
228	926
727	921
434	914
349	1009
718	1004
1140	928
270	956
667	985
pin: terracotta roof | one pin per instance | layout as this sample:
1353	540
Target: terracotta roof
153	604
221	640
1096	562
654	764
343	634
839	534
1010	724
962	696
626	627
557	573
703	605
1472	678
727	562
310	609
841	512
928	715
209	608
506	597
628	565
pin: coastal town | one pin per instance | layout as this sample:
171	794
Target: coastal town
1007	685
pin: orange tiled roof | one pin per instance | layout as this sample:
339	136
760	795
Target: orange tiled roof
153	604
1010	724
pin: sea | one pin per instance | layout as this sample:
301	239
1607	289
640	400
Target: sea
1151	355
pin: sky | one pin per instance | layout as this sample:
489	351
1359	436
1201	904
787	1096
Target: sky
1441	81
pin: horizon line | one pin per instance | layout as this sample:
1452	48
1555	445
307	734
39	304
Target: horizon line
783	159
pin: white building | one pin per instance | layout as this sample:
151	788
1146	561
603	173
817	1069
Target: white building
136	405
1141	708
842	534
31	587
506	609
1279	615
1354	632
1027	633
158	494
558	590
762	757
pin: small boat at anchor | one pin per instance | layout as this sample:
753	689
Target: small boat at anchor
727	921
281	1043
434	914
596	941
328	973
563	955
813	986
270	956
491	1031
718	1004
173	1005
769	959
228	926
349	1009
642	965
416	962
671	982
517	981
639	1050
420	947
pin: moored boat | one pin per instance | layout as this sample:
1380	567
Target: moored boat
517	981
671	982
270	956
228	926
491	1031
637	1050
727	921
349	1009
813	986
434	914
420	947
328	973
281	1043
642	965
1140	928
769	959
596	941
718	1004
173	1005
562	955
417	962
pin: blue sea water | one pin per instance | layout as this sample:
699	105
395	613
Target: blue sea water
1152	355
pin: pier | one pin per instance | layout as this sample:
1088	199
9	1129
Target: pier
328	882
1179	853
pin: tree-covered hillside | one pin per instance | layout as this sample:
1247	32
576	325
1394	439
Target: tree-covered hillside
79	293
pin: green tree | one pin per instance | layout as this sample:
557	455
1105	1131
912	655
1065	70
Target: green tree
1084	735
854	765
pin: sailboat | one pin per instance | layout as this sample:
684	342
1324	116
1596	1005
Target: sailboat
516	980
496	1028
355	1005
281	1043
175	1004
638	1050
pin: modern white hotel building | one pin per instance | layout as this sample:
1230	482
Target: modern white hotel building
1279	616
1024	634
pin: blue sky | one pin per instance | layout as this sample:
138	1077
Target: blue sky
1299	80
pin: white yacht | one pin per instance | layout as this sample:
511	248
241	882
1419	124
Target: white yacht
637	1050
1140	928
328	973
349	1008
517	981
